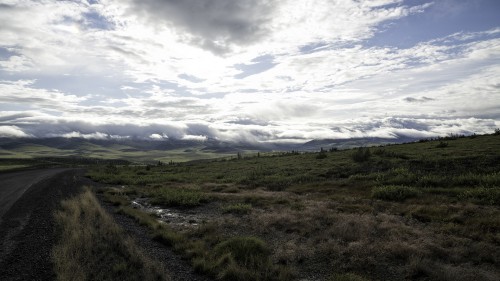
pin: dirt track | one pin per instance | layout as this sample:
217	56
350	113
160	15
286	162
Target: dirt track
27	232
14	184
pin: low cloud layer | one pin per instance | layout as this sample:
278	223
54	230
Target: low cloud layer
253	71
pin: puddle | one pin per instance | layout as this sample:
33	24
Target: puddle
174	217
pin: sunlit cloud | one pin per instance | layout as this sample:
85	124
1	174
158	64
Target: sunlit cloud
251	71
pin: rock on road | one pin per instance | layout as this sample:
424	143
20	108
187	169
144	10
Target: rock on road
27	233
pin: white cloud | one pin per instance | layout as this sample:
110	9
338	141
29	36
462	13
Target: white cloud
194	137
12	131
23	92
96	135
287	70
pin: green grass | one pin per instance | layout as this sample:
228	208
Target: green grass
388	217
177	197
482	195
239	209
241	258
93	247
12	167
236	258
394	192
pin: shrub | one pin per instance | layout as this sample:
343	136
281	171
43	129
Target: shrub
177	197
238	208
489	196
394	192
442	144
361	154
91	246
241	258
321	155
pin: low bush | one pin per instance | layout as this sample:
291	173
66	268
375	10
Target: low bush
362	154
241	258
91	246
488	196
321	155
394	192
442	144
177	197
239	208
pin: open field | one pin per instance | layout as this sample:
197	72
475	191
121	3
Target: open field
422	211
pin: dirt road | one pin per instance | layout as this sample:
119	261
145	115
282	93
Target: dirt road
13	185
27	232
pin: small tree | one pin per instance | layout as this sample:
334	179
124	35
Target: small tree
361	154
442	144
321	154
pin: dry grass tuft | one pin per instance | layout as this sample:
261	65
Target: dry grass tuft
93	247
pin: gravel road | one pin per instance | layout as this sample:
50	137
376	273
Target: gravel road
27	232
14	184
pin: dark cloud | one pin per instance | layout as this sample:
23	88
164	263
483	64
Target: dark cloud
417	100
13	117
213	24
248	121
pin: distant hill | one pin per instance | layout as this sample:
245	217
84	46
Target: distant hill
315	145
165	150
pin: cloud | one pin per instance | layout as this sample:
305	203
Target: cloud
23	92
12	131
212	24
256	71
96	135
418	100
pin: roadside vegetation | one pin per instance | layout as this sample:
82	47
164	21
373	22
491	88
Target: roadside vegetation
420	211
93	247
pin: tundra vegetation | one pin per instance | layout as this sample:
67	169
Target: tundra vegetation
93	247
423	211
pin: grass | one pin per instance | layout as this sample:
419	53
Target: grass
93	247
12	167
394	192
236	258
176	197
238	208
490	196
240	258
411	211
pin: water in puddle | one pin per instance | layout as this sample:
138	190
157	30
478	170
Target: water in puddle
174	217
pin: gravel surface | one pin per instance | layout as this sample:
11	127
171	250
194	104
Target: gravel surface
179	269
27	232
14	184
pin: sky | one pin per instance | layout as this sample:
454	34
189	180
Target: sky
260	71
